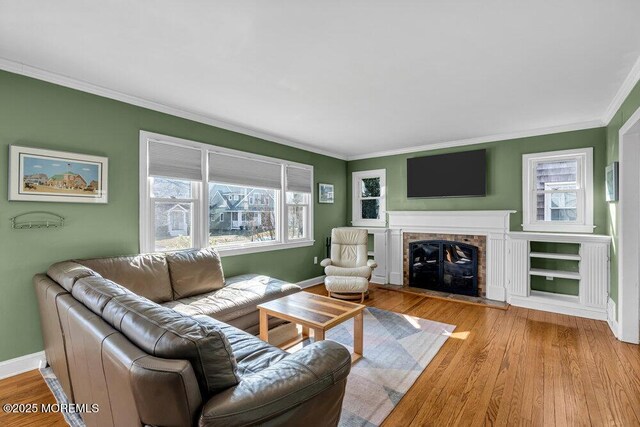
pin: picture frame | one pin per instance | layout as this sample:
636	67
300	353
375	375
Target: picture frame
611	182
325	193
42	175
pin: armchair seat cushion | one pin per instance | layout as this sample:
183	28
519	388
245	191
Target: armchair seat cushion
346	284
363	271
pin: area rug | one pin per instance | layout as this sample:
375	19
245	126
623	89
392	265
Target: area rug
397	349
72	418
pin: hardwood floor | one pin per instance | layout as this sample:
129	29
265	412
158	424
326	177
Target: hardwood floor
500	367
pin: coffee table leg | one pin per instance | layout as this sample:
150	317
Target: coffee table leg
305	332
357	336
264	326
318	335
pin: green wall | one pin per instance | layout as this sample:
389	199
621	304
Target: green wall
504	175
626	110
40	114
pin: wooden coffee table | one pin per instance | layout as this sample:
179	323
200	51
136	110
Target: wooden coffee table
316	313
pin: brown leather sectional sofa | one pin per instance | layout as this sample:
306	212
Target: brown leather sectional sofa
165	340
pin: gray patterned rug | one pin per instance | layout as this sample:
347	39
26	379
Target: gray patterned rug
397	348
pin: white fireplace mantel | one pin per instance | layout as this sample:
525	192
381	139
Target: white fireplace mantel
492	224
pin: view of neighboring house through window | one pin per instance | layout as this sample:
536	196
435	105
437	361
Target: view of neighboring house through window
252	214
196	195
560	191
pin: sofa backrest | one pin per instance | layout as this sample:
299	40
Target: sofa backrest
146	274
195	272
163	332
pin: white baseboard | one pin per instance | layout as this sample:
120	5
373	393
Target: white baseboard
560	308
612	318
21	364
311	282
496	293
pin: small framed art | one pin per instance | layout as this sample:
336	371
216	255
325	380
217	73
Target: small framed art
611	182
325	193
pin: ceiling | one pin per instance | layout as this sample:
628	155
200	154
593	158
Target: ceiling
352	78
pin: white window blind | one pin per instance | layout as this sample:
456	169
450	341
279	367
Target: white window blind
227	169
173	161
298	179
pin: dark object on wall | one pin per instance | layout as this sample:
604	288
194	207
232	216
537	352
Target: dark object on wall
447	175
442	265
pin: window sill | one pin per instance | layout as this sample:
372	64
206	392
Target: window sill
243	250
559	228
369	223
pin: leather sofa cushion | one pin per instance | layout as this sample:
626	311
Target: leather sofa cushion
96	292
165	333
195	272
238	297
67	273
146	275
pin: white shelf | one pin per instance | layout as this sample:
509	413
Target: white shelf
371	253
561	274
551	255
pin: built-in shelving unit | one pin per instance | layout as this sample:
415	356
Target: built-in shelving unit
575	268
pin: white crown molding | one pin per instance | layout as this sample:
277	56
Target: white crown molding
18	68
47	76
29	362
590	124
627	86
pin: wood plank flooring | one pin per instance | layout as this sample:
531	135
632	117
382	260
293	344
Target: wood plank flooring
500	367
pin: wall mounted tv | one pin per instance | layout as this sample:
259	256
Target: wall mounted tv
447	175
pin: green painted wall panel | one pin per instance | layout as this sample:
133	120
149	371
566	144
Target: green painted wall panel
626	110
504	175
44	115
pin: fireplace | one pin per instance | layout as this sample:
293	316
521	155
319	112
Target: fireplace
444	265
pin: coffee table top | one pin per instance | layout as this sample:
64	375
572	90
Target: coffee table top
312	310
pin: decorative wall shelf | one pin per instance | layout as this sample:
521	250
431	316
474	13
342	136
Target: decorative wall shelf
551	255
36	219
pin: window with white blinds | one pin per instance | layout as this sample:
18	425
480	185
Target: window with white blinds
195	195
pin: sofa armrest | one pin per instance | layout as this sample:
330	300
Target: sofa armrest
280	388
325	262
372	264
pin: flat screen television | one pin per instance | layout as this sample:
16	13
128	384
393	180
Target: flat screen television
447	175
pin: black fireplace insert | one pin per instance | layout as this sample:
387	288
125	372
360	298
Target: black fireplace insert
443	265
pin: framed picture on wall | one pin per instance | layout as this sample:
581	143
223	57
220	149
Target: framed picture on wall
40	175
325	193
611	182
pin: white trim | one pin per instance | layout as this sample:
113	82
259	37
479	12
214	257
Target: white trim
628	219
311	282
70	82
560	238
232	251
584	222
356	212
28	362
556	303
611	318
627	86
590	124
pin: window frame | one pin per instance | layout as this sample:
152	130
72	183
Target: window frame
200	194
356	198
584	191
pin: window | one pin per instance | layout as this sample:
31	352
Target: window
195	195
369	198
558	191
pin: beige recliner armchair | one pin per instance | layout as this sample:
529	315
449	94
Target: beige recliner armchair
349	268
